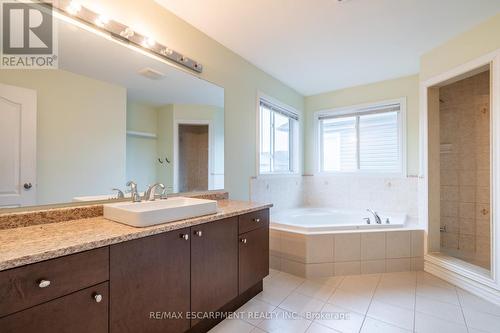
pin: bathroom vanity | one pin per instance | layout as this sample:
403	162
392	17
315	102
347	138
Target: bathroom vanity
164	278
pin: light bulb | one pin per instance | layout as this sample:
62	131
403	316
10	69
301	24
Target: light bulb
127	33
73	8
166	51
101	21
148	42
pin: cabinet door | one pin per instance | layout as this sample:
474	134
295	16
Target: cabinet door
80	312
214	265
254	257
149	277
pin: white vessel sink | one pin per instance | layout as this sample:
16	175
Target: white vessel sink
147	213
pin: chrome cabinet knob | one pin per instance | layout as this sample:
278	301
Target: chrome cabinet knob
257	220
185	236
27	186
97	297
244	240
198	233
43	283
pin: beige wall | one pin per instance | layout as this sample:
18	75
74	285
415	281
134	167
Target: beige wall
385	90
165	173
142	153
81	133
240	79
463	48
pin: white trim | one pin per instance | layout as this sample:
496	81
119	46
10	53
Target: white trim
351	109
445	267
178	122
295	136
464	279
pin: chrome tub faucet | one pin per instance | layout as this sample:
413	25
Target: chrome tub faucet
377	218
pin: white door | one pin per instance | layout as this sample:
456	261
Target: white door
17	146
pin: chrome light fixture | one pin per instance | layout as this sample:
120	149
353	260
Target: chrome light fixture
122	32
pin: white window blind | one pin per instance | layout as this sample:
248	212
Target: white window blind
367	139
277	137
339	144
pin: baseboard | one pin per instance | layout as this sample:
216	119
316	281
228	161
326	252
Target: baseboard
479	289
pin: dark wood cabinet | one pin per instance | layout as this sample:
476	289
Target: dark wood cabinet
80	312
254	220
214	265
150	277
253	258
24	287
159	283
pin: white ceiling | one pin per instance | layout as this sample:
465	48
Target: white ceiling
322	45
92	55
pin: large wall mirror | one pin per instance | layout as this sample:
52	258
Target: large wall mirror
109	114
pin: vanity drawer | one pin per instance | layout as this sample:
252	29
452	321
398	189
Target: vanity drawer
26	286
80	312
253	220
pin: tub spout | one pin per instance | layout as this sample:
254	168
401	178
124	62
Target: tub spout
375	215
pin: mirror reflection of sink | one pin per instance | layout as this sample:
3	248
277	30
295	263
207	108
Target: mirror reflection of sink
147	213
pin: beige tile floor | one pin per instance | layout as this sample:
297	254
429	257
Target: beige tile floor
379	303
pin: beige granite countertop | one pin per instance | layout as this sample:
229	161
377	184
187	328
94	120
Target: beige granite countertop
26	245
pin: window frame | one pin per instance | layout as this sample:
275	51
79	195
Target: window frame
294	138
357	110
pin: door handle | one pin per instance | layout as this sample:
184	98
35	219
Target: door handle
27	186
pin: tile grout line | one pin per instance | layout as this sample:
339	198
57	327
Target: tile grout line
370	304
326	303
461	309
415	304
291	292
277	306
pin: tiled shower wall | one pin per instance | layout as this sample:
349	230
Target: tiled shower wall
393	195
464	126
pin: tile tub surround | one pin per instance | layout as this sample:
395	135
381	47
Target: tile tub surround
376	303
348	192
26	245
284	191
359	192
54	215
346	253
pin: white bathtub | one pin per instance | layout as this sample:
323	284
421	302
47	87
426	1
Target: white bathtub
311	220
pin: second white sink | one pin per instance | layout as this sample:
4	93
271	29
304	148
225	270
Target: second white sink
147	213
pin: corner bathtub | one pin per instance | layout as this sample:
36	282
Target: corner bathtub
319	220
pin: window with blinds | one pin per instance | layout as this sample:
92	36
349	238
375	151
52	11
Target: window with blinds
367	139
278	128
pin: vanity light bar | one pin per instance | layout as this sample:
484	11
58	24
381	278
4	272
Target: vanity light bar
124	33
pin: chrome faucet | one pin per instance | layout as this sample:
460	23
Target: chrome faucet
375	215
119	193
149	194
133	191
